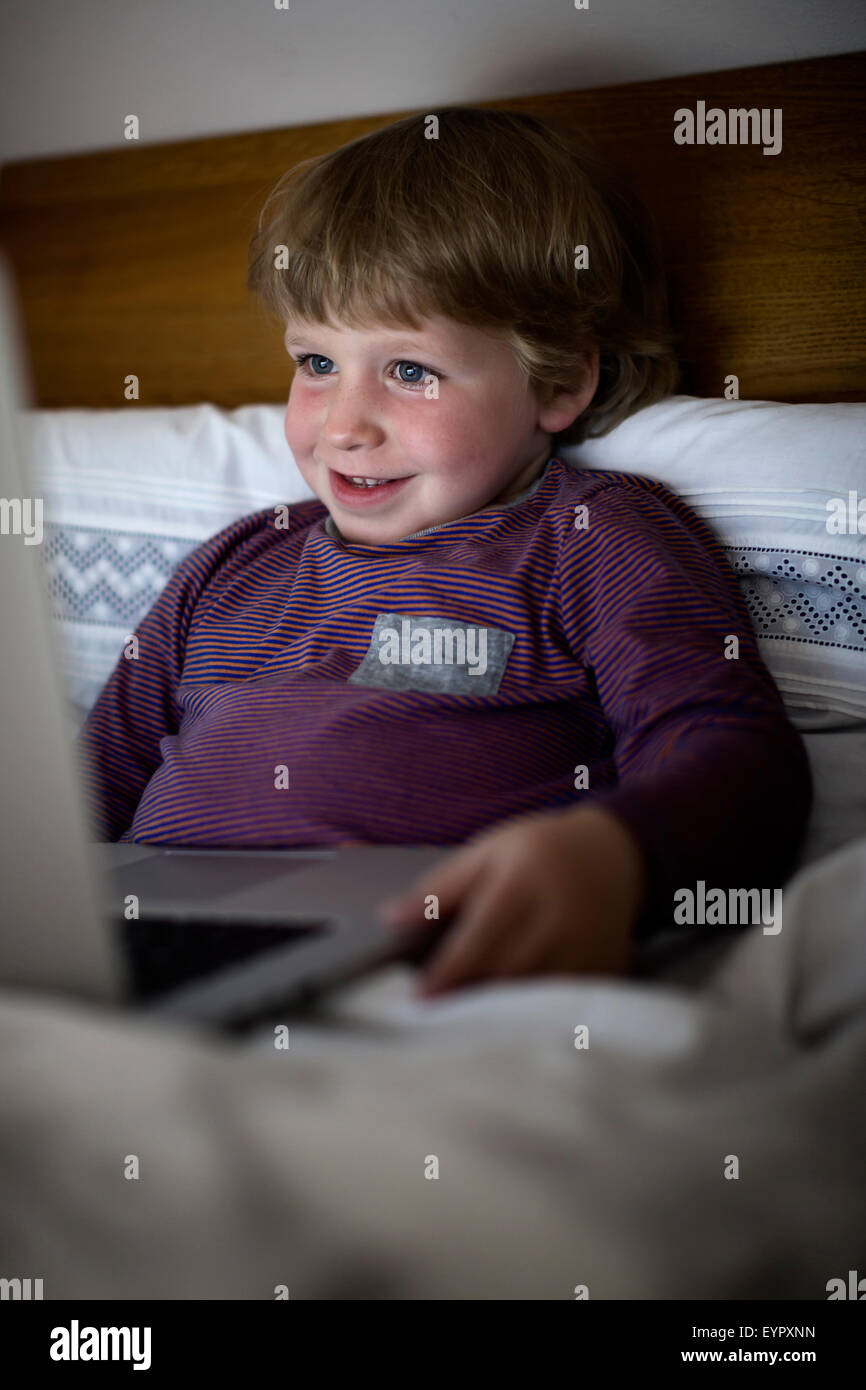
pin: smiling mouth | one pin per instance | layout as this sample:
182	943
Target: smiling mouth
363	481
360	490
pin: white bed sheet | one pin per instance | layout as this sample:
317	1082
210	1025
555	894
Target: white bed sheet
558	1168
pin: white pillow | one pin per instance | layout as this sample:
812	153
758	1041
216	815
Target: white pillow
128	492
770	480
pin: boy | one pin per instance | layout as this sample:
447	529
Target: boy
464	640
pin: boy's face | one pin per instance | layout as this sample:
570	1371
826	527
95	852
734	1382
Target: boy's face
445	414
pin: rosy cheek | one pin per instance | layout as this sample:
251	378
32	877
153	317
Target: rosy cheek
295	426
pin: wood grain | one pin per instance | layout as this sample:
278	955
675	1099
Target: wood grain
134	260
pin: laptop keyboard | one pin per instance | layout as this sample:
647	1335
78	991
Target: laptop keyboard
165	955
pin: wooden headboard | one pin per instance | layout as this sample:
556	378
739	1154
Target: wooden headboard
134	260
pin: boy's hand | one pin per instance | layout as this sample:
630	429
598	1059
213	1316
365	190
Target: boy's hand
557	892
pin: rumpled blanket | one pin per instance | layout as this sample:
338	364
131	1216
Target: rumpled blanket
698	1135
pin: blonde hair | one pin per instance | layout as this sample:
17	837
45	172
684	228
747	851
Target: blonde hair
480	226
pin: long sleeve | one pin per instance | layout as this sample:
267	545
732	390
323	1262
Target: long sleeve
119	745
713	779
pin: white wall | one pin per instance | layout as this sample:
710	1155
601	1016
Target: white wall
71	70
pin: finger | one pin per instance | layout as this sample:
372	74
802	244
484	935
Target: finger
472	943
447	882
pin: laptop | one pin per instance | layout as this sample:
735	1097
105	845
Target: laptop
223	938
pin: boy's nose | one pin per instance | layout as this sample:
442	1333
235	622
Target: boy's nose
351	425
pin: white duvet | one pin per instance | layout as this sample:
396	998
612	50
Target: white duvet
709	1142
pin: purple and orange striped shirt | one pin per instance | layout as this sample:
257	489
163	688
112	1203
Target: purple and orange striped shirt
291	689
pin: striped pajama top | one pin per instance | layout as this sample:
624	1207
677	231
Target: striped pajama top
292	689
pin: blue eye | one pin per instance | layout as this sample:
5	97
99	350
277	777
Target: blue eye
415	367
311	357
422	372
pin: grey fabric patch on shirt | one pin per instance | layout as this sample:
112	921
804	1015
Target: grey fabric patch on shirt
435	654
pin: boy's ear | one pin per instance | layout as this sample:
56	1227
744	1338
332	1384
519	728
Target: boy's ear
559	409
